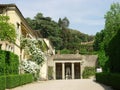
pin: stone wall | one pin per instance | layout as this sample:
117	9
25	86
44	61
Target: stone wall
90	60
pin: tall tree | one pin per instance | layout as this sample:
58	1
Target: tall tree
64	23
102	39
98	40
113	52
112	22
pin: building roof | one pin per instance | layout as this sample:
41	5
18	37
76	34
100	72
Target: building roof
67	57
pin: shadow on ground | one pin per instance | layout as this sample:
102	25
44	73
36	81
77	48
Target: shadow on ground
104	86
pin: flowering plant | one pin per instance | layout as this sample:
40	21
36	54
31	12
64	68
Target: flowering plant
32	48
29	66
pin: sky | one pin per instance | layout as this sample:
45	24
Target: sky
87	16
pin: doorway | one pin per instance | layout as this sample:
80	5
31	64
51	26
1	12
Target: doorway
77	70
58	70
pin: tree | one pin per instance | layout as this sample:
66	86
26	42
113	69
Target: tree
58	33
112	23
102	39
48	28
7	30
31	22
113	52
64	23
98	41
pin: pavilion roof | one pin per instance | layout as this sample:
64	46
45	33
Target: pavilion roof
67	57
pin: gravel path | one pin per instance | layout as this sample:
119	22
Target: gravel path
82	84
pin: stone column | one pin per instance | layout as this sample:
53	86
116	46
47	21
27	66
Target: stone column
81	70
72	70
54	71
63	70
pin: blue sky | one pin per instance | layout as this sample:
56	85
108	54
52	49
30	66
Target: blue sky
87	16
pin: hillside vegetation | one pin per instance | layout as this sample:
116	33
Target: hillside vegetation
62	37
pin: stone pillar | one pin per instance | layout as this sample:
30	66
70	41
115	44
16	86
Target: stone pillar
73	71
63	70
81	70
54	71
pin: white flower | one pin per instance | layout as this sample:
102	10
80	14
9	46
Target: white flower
29	66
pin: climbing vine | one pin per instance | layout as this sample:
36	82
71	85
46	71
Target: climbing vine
7	30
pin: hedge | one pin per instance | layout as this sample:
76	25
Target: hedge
12	81
88	72
9	63
2	83
18	80
26	78
12	63
109	79
2	62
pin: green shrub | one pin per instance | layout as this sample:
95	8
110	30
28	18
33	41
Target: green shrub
29	78
12	63
17	80
109	79
2	62
65	51
12	81
103	78
2	83
88	72
26	78
115	81
22	79
9	63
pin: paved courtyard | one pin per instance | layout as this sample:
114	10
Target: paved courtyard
83	84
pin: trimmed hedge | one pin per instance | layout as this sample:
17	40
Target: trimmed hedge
2	62
18	80
26	78
9	63
2	83
12	81
109	79
12	63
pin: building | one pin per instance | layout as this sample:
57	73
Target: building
68	66
22	30
21	27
